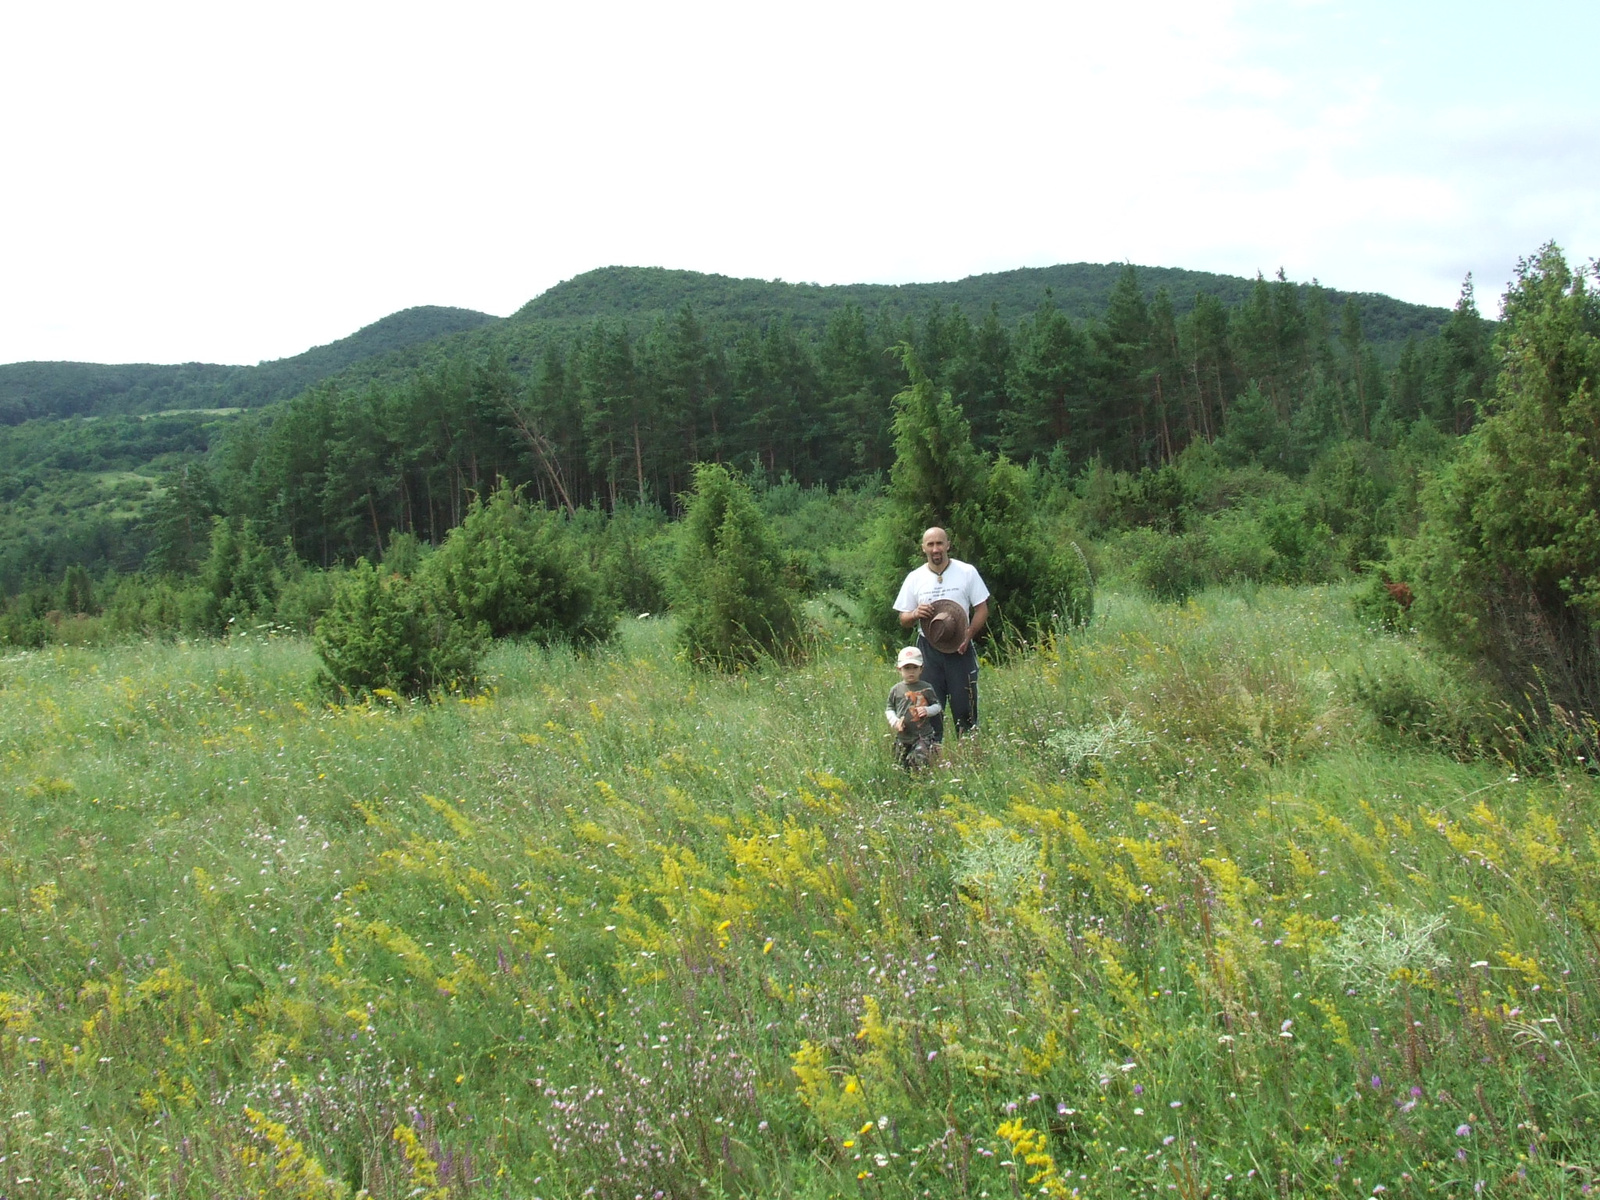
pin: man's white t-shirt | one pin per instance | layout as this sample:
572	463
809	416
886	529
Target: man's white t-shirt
960	582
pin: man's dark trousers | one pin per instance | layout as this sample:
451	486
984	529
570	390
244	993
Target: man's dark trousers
954	678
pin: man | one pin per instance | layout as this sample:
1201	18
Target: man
951	600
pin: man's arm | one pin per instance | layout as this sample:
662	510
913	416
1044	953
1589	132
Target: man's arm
980	617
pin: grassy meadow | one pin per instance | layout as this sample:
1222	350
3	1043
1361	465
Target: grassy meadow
1184	920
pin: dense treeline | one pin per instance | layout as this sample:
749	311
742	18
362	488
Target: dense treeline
614	417
610	413
403	341
669	368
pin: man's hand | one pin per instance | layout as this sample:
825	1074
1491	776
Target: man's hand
980	618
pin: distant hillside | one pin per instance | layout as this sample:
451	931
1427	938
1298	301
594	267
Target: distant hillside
1080	290
54	389
404	340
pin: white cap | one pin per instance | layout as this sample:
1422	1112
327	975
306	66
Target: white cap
910	656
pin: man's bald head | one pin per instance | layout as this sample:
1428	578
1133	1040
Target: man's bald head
936	549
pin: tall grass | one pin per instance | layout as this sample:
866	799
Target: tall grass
1184	917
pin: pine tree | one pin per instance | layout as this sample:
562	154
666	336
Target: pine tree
1211	378
1049	389
1351	337
938	478
855	402
1291	330
239	579
1254	328
1511	551
978	379
1409	382
182	519
1166	378
683	371
728	587
546	418
77	592
611	416
1121	427
1463	369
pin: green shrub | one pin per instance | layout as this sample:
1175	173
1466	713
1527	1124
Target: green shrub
404	555
826	533
1350	492
1303	546
512	567
635	550
1254	430
1240	552
306	594
1377	606
1274	540
1509	556
1036	584
387	632
77	592
728	586
1423	699
1170	568
238	581
1154	497
1107	500
23	621
141	606
1215	488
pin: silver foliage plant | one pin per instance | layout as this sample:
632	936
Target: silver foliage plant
997	865
1105	741
1374	951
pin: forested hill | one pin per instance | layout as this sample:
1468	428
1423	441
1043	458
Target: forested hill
608	388
61	389
1081	290
636	295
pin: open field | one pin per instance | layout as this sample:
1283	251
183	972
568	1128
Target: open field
1183	921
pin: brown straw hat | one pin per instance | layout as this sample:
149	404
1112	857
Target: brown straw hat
946	628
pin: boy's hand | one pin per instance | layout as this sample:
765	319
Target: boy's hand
899	724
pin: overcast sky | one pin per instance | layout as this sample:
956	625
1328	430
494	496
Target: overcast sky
239	182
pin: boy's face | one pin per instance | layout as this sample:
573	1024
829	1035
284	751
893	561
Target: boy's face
910	672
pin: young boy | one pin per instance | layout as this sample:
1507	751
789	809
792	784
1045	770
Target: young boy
912	704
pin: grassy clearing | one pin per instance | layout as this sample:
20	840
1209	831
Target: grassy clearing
1183	918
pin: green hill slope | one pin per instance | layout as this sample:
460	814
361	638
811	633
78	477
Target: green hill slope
60	389
1081	290
636	295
